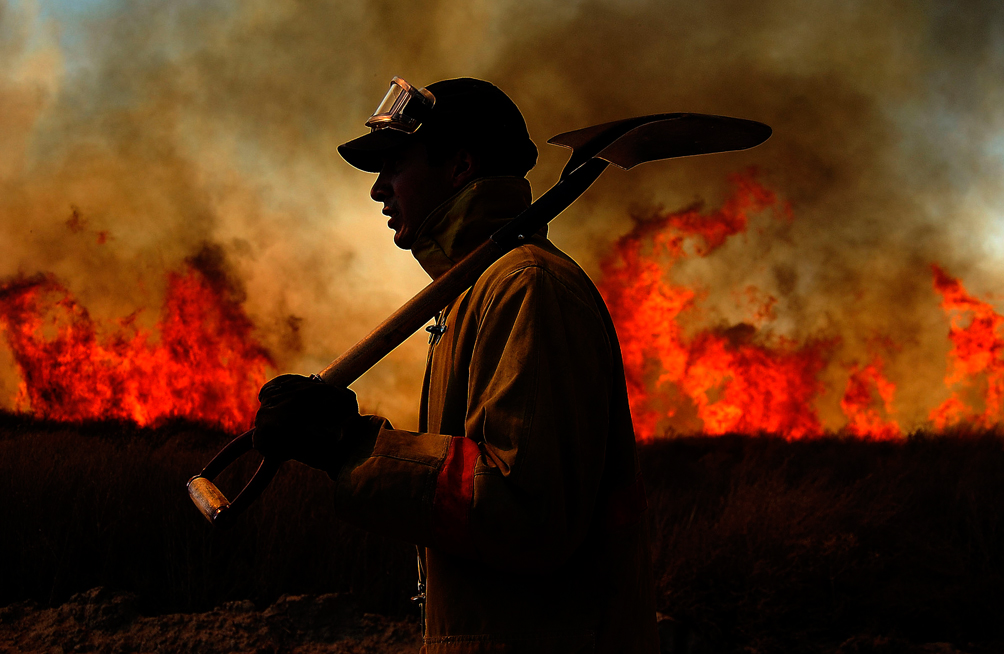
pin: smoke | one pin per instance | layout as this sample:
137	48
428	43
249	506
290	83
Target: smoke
164	126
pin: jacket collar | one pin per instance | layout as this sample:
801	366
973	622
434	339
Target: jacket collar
466	220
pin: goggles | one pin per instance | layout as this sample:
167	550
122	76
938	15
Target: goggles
403	108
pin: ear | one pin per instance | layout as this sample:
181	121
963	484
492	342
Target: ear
465	168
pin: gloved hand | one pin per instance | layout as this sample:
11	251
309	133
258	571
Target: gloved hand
305	419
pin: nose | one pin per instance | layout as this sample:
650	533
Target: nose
381	189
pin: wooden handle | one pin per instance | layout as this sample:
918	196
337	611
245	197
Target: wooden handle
636	145
392	332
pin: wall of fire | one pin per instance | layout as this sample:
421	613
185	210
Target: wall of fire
176	226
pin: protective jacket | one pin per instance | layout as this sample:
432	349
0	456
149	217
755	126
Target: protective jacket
523	481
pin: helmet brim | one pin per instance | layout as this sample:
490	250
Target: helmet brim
368	151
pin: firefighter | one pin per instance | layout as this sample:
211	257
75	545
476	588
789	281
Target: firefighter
521	486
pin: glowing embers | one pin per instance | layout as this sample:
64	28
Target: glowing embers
206	364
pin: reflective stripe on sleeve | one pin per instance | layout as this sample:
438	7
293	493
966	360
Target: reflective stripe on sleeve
451	504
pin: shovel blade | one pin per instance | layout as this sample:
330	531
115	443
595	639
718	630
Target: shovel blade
627	143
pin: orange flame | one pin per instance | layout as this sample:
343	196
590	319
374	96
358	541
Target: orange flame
737	380
975	358
206	365
858	402
734	384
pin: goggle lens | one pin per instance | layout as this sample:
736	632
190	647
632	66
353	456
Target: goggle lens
393	102
390	113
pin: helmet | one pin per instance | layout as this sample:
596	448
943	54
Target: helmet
465	112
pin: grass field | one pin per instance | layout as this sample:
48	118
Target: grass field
760	545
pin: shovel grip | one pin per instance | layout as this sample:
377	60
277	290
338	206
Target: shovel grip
207	497
210	501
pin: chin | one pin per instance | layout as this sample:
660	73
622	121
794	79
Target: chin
402	241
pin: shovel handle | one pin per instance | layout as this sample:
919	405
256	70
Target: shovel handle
390	333
210	501
625	143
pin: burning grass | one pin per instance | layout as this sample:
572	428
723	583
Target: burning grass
760	544
688	373
201	362
736	366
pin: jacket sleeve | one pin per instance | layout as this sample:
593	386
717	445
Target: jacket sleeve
519	489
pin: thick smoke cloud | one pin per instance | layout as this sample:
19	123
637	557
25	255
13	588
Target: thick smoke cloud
169	125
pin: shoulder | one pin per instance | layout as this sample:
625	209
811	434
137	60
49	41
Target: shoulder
537	266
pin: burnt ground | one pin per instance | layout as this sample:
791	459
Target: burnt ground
106	622
760	545
109	622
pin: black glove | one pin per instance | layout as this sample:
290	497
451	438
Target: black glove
305	419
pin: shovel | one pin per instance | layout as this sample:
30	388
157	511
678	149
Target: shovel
623	143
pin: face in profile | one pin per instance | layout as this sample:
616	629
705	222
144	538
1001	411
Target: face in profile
410	188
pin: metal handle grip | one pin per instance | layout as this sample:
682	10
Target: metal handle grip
212	503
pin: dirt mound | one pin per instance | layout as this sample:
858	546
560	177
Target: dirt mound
100	620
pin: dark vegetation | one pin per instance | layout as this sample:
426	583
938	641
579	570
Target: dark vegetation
761	545
104	504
